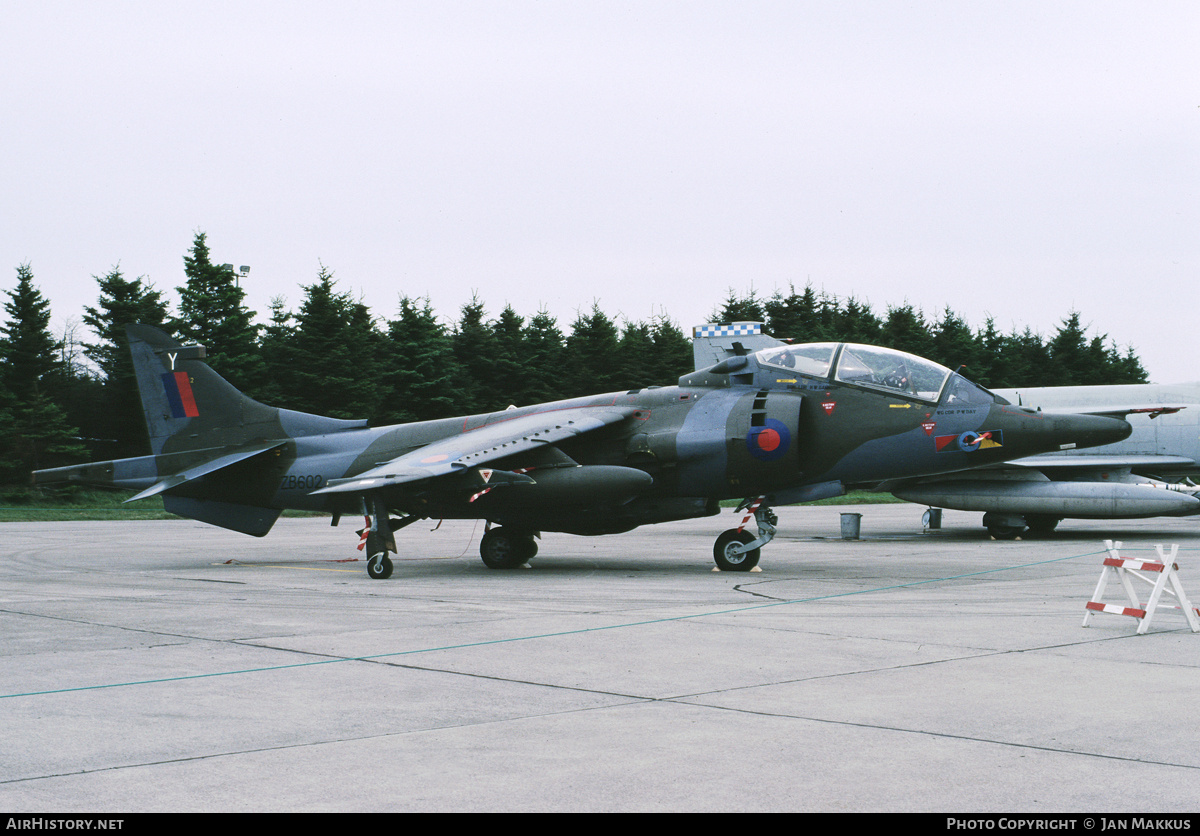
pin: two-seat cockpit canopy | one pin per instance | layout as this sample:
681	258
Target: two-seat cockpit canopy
873	367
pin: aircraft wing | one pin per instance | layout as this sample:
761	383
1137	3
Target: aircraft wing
498	440
1119	410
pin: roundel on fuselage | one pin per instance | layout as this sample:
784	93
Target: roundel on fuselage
969	441
770	442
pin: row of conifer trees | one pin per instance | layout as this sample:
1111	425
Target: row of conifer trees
69	397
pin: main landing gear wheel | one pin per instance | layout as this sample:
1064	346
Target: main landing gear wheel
1004	526
1042	524
504	549
1005	532
728	558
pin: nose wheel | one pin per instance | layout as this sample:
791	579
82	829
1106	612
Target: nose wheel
737	550
733	552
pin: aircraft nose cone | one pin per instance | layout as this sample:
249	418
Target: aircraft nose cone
1090	430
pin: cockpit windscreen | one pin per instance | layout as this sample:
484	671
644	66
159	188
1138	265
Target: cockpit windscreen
867	365
886	368
810	359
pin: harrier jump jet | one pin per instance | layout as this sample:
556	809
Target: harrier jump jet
759	420
1149	474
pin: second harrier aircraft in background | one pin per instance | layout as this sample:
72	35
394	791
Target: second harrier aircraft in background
1149	474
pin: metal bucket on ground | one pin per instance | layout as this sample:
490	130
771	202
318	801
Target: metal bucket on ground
851	525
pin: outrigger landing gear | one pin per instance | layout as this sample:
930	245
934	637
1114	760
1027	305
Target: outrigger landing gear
379	565
378	539
737	550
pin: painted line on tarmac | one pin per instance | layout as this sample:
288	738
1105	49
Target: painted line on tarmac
378	656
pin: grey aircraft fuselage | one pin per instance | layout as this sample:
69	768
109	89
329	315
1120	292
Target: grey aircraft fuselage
782	425
693	441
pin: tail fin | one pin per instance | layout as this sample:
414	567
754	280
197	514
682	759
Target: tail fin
188	406
208	440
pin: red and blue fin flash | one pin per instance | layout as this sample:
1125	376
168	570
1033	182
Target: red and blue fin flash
179	395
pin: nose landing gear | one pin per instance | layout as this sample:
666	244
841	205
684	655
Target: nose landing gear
737	550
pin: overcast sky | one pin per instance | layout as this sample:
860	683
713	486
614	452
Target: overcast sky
1012	159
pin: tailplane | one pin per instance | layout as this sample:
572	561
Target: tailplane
216	452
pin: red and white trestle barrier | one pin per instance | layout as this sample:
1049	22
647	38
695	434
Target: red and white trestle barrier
1126	570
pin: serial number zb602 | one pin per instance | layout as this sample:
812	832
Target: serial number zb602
293	482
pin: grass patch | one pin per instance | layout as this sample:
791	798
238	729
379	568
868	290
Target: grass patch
859	498
77	503
851	498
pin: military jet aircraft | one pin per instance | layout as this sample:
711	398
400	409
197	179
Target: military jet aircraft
759	420
1147	475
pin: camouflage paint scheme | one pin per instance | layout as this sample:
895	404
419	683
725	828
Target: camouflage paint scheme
745	426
